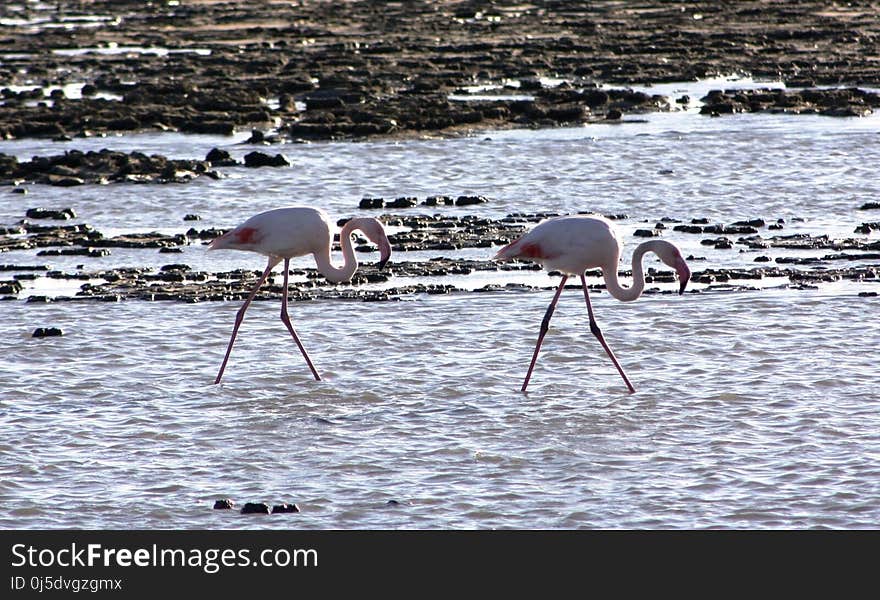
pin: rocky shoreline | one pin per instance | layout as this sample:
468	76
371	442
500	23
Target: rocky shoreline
354	70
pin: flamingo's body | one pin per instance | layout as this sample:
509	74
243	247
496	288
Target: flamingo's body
285	233
573	244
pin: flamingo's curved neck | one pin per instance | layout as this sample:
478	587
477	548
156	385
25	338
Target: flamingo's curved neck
612	283
325	266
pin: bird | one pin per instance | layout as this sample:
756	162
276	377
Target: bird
571	244
285	233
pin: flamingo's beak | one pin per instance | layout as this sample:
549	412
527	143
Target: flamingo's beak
684	273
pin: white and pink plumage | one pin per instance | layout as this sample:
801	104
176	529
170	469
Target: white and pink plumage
573	244
285	233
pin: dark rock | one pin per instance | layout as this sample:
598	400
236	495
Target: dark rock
257	137
403	202
62	181
721	243
220	158
40	332
224	504
749	223
646	233
470	200
43	213
833	102
870	206
866	228
255	508
259	159
177	267
10	287
192	217
285	508
439	200
371	203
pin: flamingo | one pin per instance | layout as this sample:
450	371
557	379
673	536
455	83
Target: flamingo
284	233
572	244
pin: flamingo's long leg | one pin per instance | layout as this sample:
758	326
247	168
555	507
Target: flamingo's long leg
240	316
545	325
286	318
594	327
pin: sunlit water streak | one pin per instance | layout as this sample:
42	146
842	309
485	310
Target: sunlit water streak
753	409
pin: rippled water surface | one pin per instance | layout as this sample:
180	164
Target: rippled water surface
755	408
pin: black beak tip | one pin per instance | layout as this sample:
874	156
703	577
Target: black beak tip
382	264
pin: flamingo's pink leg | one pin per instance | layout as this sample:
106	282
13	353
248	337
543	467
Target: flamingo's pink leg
594	327
545	325
240	317
286	318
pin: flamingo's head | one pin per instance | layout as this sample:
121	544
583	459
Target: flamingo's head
374	231
671	255
684	273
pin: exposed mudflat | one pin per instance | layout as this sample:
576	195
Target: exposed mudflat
330	70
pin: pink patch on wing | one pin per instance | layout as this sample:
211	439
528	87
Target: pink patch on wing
531	251
245	235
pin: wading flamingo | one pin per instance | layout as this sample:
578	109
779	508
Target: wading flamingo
573	244
284	233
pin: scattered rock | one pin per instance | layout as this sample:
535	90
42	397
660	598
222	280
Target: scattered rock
75	167
40	332
255	508
867	228
224	504
220	158
470	200
404	202
44	213
371	203
833	102
257	159
284	507
439	201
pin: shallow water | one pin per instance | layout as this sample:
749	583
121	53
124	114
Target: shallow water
754	409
